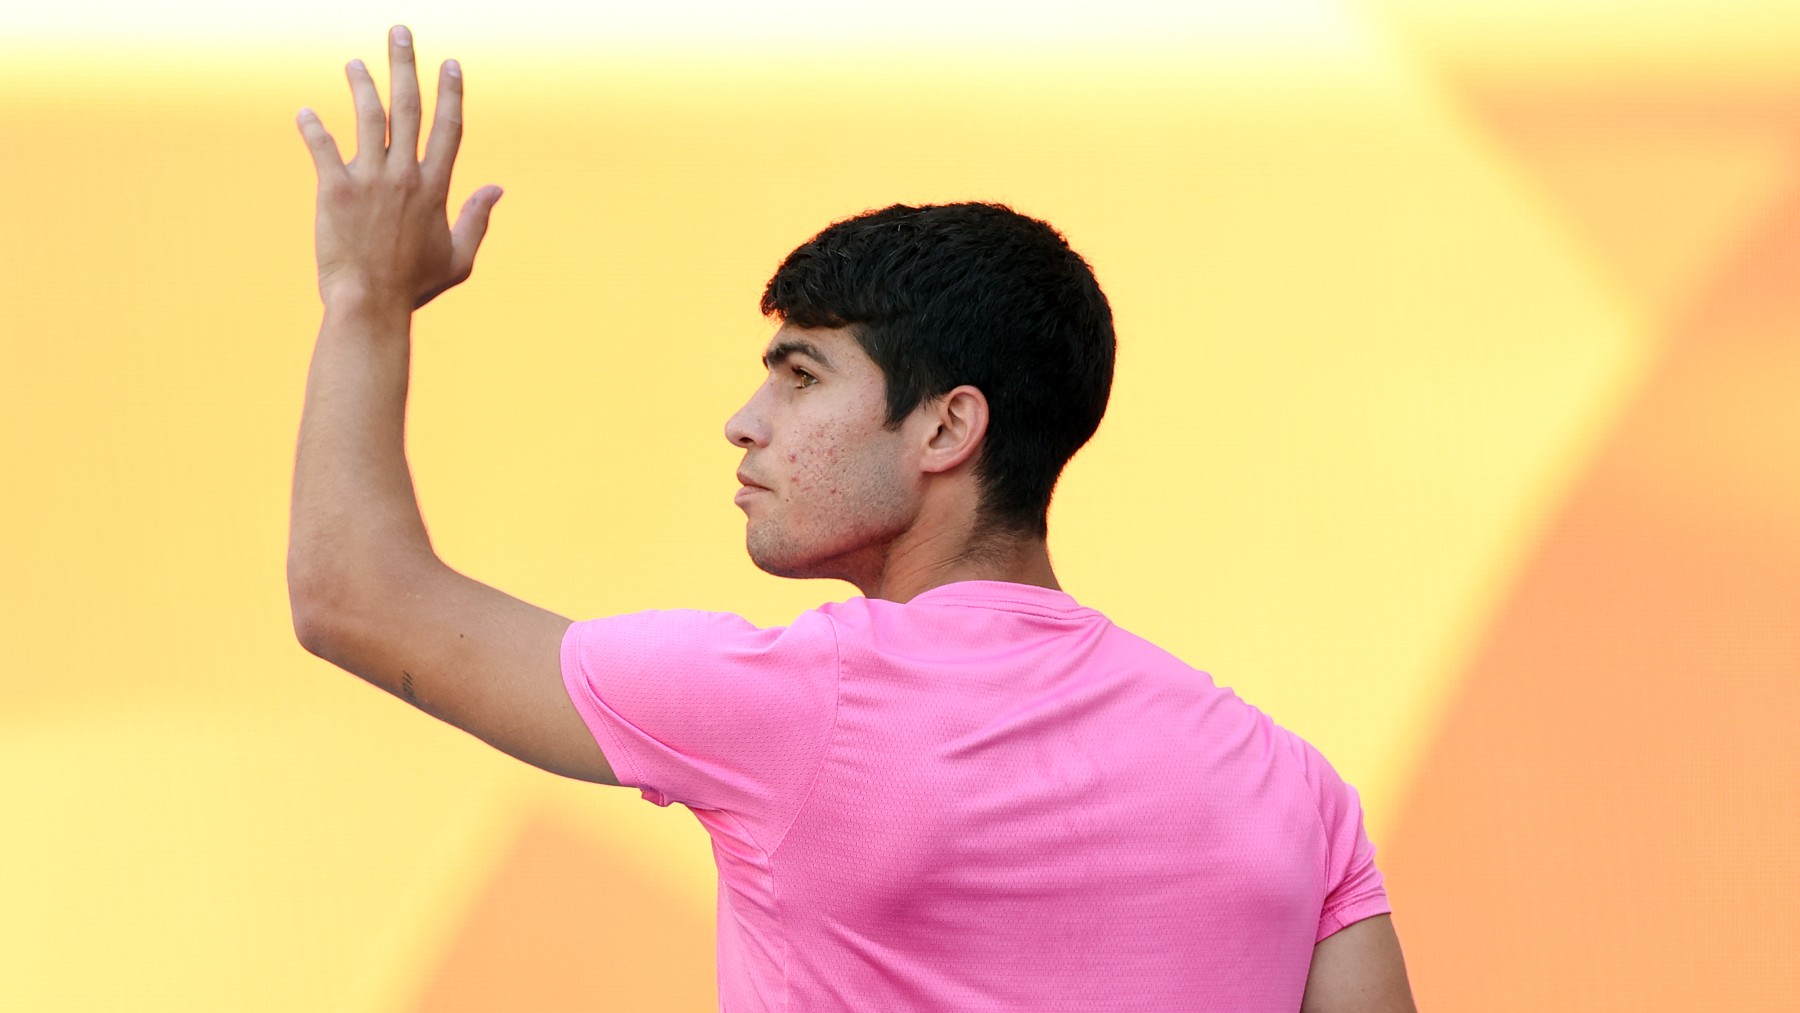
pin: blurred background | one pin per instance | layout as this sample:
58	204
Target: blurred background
1457	426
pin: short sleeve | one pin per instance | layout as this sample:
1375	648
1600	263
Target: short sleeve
706	709
1353	886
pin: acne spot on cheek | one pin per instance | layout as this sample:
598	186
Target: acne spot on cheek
793	457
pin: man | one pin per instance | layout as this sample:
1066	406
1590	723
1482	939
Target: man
962	791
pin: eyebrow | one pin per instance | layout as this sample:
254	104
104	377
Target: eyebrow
779	352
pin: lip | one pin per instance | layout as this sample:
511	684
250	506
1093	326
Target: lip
748	489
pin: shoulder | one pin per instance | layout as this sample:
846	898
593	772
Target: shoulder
1340	813
663	665
1323	783
707	708
661	638
685	673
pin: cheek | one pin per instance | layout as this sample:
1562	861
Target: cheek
842	457
817	467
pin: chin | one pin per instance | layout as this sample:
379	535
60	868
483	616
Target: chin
774	558
776	566
796	562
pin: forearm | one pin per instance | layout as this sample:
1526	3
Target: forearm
355	529
359	562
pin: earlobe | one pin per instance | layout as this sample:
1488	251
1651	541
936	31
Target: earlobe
960	421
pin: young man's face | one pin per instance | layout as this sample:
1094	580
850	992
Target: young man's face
825	485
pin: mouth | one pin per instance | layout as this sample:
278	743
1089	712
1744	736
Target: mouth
747	490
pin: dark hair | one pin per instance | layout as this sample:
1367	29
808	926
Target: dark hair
975	294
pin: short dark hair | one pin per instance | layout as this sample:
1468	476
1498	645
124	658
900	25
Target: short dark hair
976	294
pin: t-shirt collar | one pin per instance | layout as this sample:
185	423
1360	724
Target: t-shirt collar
1000	592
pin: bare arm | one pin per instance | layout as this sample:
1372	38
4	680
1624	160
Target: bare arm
1358	969
368	592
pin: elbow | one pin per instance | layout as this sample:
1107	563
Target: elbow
312	630
312	606
338	611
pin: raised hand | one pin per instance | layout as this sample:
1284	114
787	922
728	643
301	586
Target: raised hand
382	231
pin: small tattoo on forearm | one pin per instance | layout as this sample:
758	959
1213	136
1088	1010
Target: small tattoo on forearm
406	689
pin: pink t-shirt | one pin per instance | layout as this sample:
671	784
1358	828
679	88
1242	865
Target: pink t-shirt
988	798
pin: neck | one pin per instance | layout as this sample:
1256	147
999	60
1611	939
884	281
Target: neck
911	570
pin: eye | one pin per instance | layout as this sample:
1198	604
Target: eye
802	378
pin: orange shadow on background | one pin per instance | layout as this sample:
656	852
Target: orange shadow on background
1608	818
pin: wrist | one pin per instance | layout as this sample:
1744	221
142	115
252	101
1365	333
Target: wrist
346	299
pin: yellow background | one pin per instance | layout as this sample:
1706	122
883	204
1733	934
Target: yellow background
1387	277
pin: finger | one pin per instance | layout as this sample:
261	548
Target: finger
371	121
324	150
403	96
471	225
446	128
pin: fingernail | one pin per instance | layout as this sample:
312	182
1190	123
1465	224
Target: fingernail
357	65
402	37
452	68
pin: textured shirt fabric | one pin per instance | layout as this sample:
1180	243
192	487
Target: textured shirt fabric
987	798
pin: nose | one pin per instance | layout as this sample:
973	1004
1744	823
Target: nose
748	427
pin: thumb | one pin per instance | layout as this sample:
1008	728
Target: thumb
471	225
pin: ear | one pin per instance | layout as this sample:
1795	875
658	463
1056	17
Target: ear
955	426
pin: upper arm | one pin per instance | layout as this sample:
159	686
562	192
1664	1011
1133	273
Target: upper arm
1358	969
467	654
